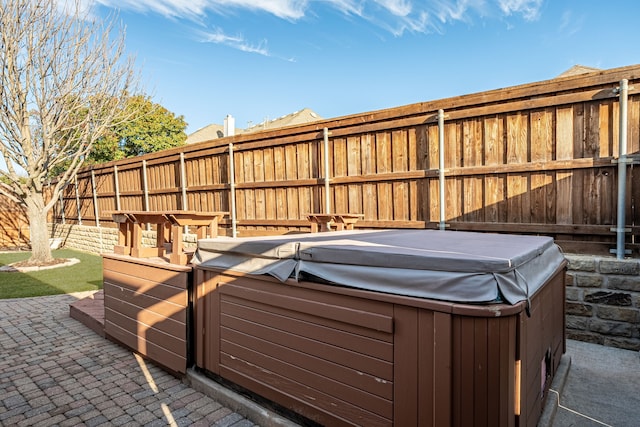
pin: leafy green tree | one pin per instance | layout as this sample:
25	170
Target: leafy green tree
149	128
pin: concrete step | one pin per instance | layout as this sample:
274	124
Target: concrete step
90	312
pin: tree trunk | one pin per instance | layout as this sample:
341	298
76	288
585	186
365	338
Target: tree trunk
40	248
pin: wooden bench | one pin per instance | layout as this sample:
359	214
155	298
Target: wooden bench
341	221
169	232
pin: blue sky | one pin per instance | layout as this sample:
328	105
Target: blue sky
257	59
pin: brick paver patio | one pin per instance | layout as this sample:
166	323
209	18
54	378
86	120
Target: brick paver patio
56	371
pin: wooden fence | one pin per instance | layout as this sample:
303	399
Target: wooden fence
539	158
14	227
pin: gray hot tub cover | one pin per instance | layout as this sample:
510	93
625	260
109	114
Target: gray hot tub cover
444	265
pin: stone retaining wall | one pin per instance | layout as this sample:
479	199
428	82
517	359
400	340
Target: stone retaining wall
603	301
101	239
603	294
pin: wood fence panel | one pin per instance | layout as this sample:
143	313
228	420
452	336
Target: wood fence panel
433	163
340	169
281	192
413	161
258	176
453	159
633	131
400	163
14	227
494	201
291	168
369	189
354	168
533	158
383	165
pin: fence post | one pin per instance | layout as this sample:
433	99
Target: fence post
62	207
96	210
145	189
183	183
117	185
442	224
78	200
232	191
327	179
622	172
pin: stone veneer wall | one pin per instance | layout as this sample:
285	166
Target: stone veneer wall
603	293
101	239
603	300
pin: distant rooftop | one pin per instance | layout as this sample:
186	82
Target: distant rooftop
215	131
578	69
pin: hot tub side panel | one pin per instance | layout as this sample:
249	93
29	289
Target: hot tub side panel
343	357
146	308
541	344
321	355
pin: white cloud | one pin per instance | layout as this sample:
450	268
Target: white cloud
414	11
570	23
237	42
348	7
190	9
426	17
460	10
529	9
396	7
395	16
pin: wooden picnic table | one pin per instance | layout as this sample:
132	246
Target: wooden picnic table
169	230
341	221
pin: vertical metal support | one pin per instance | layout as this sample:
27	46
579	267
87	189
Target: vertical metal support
622	169
96	209
145	185
183	183
145	189
117	185
78	200
232	191
327	179
442	225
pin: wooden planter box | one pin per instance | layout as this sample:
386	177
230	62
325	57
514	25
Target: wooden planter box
344	356
146	305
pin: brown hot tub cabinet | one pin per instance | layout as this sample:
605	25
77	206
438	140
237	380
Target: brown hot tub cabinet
146	303
397	327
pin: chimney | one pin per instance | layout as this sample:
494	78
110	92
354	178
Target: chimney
229	125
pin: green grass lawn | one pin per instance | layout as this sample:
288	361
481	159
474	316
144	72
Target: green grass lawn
83	276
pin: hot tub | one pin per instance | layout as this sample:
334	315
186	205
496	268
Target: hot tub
391	327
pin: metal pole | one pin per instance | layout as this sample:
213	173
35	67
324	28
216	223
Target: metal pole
442	225
183	183
117	185
232	191
145	190
622	169
327	179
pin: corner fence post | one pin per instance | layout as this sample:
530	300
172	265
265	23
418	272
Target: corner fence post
232	192
327	179
117	185
442	224
622	171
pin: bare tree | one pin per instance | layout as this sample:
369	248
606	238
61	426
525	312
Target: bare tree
63	77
